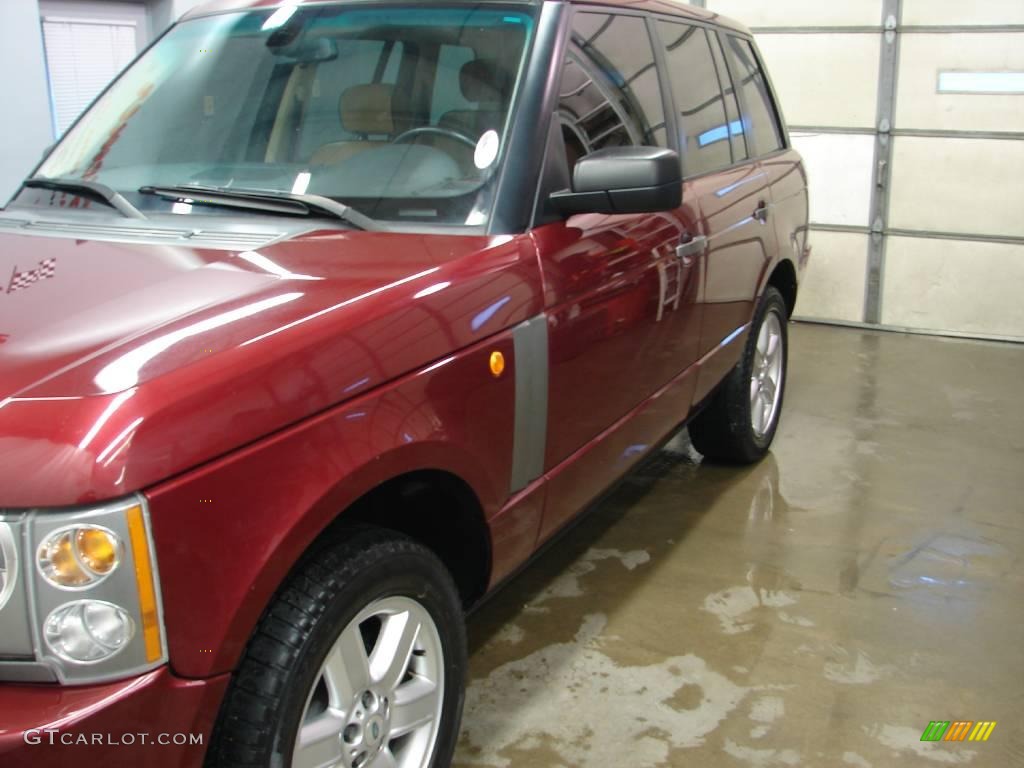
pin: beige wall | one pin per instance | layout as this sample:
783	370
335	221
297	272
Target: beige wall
919	105
839	175
955	180
833	285
957	285
971	186
824	79
945	12
800	13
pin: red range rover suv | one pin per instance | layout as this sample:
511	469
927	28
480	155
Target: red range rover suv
324	317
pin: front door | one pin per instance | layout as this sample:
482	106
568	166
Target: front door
621	300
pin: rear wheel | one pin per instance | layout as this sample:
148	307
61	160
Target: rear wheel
739	423
359	663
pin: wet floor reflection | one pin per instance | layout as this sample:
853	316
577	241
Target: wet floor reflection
813	609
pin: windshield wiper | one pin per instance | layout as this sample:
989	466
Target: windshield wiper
86	188
271	200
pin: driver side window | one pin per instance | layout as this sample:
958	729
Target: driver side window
610	94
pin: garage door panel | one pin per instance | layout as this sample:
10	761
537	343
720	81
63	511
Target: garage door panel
802	13
826	79
922	56
832	287
954	285
963	12
957	185
839	173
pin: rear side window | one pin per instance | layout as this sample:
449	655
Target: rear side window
760	120
703	127
732	109
622	104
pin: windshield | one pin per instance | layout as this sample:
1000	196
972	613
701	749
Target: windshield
399	112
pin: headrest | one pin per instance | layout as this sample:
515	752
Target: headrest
482	80
367	108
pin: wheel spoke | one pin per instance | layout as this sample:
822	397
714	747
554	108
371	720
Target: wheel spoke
347	669
390	657
415	705
384	759
766	373
318	744
378	699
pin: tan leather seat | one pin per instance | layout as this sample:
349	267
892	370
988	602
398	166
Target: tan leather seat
484	83
365	110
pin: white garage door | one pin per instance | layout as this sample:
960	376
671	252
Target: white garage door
910	114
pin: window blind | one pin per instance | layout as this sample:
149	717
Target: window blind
82	56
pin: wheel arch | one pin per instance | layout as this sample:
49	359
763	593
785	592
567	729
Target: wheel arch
434	507
784	279
280	524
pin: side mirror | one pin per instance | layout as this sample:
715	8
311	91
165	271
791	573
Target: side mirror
623	180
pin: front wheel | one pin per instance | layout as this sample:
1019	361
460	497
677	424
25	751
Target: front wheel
739	423
358	663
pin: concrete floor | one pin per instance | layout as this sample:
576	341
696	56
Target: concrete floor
818	609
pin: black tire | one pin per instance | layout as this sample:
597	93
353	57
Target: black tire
724	431
267	697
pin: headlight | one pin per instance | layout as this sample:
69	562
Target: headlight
79	556
88	630
88	609
8	564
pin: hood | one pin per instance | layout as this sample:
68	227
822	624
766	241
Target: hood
123	363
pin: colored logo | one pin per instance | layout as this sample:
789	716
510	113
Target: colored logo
958	730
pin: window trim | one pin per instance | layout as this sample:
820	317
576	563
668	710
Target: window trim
601	82
563	44
676	120
672	139
725	78
668	99
755	151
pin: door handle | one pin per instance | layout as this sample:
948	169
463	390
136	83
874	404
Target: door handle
761	212
686	251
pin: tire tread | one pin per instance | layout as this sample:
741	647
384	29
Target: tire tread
722	431
242	735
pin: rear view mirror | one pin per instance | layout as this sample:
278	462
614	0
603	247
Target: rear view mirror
307	51
623	180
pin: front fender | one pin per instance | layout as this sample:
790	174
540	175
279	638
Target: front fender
228	533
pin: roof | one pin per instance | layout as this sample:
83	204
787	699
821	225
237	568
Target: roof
673	7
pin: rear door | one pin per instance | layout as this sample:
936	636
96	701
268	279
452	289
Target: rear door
736	208
784	167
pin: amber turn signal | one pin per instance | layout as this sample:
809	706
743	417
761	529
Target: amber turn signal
79	556
97	549
497	363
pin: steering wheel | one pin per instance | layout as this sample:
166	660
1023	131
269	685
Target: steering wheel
448	132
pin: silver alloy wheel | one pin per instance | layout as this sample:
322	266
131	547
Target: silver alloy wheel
766	374
378	698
